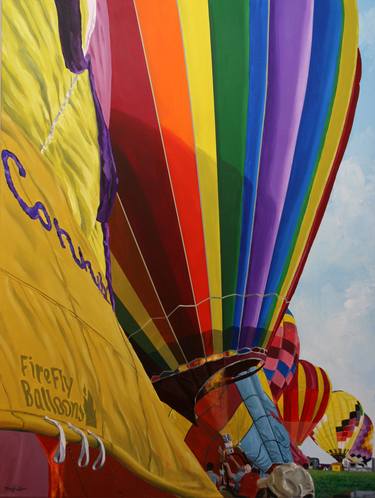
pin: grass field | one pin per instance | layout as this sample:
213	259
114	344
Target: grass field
329	484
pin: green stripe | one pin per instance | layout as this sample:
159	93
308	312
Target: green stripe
229	23
130	326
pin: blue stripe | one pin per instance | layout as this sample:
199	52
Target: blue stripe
321	87
258	54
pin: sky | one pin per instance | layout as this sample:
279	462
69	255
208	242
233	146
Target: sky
334	305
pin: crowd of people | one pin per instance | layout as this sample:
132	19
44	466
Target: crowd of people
235	476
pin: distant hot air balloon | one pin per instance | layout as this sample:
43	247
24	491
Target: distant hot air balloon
340	425
362	449
282	356
228	123
304	402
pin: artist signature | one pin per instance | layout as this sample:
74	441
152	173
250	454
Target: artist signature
14	489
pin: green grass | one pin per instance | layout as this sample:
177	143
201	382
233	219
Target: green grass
329	484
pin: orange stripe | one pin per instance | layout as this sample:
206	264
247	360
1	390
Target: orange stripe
160	27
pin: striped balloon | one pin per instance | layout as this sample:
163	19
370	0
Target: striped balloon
228	122
340	425
282	356
362	449
304	402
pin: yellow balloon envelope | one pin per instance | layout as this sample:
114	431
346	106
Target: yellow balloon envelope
62	351
340	425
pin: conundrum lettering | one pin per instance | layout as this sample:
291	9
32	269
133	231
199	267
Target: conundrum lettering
39	212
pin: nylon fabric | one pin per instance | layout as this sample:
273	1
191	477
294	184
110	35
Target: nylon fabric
197	46
345	79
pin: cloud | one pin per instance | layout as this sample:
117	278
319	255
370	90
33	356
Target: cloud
366	29
334	305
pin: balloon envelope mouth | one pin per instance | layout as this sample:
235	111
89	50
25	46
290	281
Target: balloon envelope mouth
182	388
236	371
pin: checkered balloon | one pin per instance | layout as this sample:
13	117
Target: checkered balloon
283	355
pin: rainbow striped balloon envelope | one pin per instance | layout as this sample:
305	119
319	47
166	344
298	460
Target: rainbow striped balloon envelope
363	447
339	427
228	122
304	402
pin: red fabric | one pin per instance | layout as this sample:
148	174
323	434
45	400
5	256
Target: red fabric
218	406
24	466
301	426
248	486
298	456
56	472
146	192
112	481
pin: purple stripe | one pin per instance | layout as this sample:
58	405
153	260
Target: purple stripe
69	18
107	255
289	58
100	54
108	175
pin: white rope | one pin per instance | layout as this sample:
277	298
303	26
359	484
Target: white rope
59	456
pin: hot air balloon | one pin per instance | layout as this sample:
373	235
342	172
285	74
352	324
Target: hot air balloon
340	425
244	412
228	124
362	449
282	356
67	369
304	402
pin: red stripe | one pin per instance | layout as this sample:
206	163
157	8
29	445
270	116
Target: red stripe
218	406
290	416
124	249
145	188
310	396
324	403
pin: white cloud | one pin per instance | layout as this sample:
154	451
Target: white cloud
366	29
334	305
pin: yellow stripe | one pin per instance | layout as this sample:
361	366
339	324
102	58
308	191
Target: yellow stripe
343	93
127	294
289	319
301	389
265	385
280	405
320	390
239	425
195	24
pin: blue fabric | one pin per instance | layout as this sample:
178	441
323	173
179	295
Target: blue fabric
258	53
321	87
283	368
267	442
